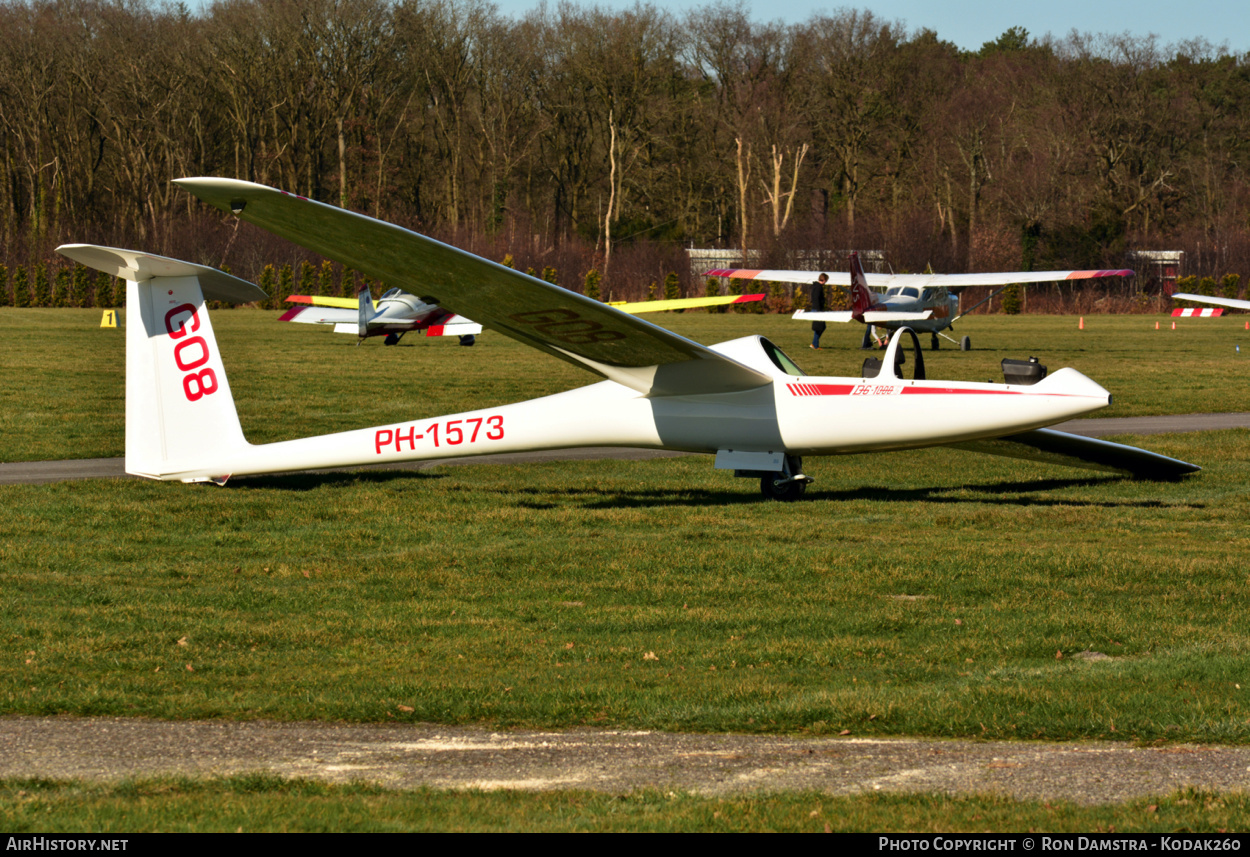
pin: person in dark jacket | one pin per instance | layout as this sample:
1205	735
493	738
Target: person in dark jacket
816	303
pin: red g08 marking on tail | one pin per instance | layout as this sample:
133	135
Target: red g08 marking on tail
191	353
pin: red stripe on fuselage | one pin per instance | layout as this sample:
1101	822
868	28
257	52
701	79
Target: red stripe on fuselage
820	389
957	391
846	390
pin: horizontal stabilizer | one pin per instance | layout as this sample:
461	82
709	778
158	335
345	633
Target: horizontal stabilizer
1071	450
870	317
132	265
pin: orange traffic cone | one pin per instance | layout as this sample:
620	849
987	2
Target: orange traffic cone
1156	325
1248	325
1174	325
1081	326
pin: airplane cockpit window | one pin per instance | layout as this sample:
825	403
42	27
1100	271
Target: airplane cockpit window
926	295
780	359
390	293
911	293
893	291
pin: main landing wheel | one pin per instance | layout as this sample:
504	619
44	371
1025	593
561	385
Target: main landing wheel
965	344
775	486
391	339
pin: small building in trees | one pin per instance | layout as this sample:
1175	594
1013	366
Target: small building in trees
1157	269
702	261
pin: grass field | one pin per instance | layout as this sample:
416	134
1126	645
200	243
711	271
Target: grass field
263	803
922	593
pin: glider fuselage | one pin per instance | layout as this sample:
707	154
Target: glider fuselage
792	415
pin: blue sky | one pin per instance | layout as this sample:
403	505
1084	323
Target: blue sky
970	23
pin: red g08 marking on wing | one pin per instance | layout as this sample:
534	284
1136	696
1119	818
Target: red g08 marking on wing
566	326
190	353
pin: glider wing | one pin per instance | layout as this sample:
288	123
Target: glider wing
564	324
1089	453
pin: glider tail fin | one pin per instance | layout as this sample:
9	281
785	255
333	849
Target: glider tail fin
181	421
862	300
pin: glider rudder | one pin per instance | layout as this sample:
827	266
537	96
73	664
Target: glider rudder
180	414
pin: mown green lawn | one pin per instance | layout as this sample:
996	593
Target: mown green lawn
261	803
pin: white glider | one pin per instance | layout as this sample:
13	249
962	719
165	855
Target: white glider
743	401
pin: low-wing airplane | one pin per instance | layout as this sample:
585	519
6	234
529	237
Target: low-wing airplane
743	401
923	302
398	312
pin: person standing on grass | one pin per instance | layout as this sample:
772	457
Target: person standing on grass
816	300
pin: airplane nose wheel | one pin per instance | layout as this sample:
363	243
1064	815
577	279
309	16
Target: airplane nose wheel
789	485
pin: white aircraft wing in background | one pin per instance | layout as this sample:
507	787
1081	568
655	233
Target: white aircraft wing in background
1206	299
946	281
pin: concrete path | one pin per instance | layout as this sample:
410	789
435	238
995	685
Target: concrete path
411	756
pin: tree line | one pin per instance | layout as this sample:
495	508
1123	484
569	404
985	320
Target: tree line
580	139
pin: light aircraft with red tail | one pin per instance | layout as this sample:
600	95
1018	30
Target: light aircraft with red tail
926	303
395	314
744	401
